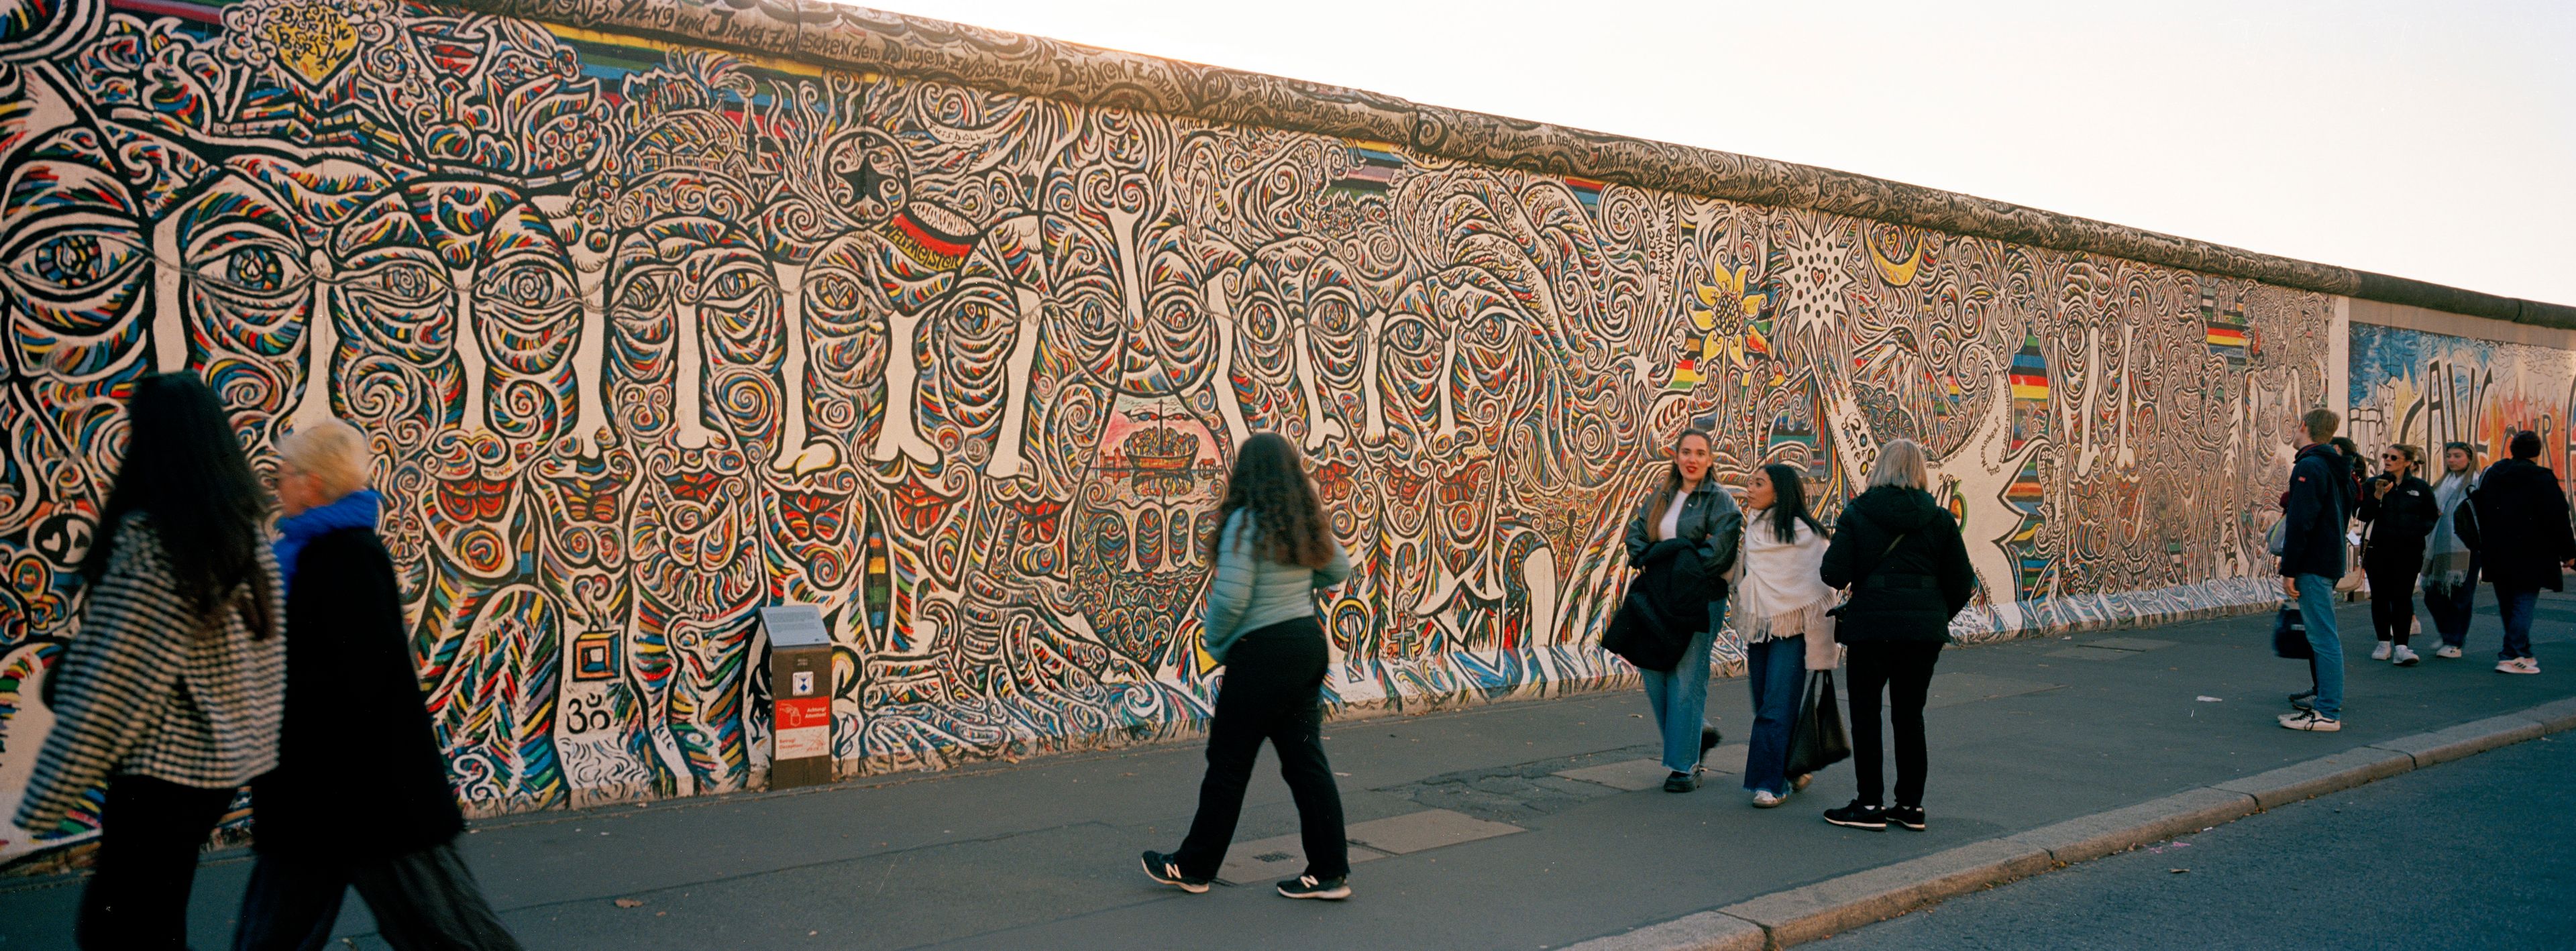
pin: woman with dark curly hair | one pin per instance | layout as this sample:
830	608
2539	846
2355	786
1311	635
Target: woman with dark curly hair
1273	549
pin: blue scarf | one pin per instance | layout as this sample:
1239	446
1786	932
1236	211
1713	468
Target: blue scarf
354	510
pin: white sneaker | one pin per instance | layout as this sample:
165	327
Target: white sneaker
2447	652
2310	721
2518	665
1764	799
2404	656
2380	652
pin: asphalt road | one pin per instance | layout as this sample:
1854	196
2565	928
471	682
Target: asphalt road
2479	853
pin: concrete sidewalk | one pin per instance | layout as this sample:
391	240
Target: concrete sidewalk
1502	826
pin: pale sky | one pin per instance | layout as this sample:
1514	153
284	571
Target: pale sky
2432	140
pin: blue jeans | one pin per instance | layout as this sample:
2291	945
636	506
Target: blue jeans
2317	611
2514	606
1775	669
1680	697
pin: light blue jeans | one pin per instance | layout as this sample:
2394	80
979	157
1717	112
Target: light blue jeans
2317	611
1776	671
1680	696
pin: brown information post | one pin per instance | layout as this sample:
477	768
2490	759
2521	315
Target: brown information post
800	690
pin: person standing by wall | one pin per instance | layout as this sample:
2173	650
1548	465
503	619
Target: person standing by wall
1899	552
1780	604
1687	515
2520	530
360	796
2317	506
1275	546
2399	511
170	695
2450	568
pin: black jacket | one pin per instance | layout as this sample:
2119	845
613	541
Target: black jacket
2520	531
1908	592
2316	509
359	771
1710	521
2401	521
1665	606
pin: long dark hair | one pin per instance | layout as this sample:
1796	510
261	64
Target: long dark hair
1789	502
1287	518
185	468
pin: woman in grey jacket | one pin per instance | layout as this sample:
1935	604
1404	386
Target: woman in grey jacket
1687	514
1275	546
170	694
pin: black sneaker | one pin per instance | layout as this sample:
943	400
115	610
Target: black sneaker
1709	738
1910	817
1857	816
1164	869
1335	888
1681	782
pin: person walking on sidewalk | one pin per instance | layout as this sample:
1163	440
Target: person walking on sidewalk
360	796
1780	605
1900	553
170	694
2450	568
1687	516
2519	527
1273	549
2316	508
2399	511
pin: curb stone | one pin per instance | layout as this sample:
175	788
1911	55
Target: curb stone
1836	905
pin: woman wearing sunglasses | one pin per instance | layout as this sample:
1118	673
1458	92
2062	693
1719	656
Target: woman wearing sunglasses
2398	511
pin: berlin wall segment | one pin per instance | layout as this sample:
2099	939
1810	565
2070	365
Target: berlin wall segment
647	337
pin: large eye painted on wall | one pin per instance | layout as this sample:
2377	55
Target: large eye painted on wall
527	285
246	262
74	262
735	286
399	283
644	293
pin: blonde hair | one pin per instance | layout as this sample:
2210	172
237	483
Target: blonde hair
333	452
1901	463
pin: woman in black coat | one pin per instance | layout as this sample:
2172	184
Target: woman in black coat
1899	552
2519	527
2397	508
360	795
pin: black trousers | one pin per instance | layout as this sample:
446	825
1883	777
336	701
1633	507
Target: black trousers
1274	679
425	899
148	841
2392	591
1904	670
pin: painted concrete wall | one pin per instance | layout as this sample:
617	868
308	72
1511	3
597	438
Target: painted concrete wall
647	337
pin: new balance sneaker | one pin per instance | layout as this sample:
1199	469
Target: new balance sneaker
1681	782
2519	665
1164	869
1766	799
1857	816
2447	652
2304	701
2404	656
2310	721
1910	817
1335	888
2380	652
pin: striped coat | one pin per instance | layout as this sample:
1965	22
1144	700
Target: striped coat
139	692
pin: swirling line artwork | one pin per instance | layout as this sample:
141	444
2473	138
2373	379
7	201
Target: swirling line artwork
647	337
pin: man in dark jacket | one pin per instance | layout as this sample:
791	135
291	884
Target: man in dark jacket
2318	505
1899	552
2521	534
360	795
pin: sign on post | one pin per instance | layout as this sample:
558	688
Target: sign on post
800	680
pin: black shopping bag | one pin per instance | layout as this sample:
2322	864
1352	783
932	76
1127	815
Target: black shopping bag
2290	635
1817	740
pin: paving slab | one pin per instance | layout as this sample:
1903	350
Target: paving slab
1428	829
1635	775
1263	860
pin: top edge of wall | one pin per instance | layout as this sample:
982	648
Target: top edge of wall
839	35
